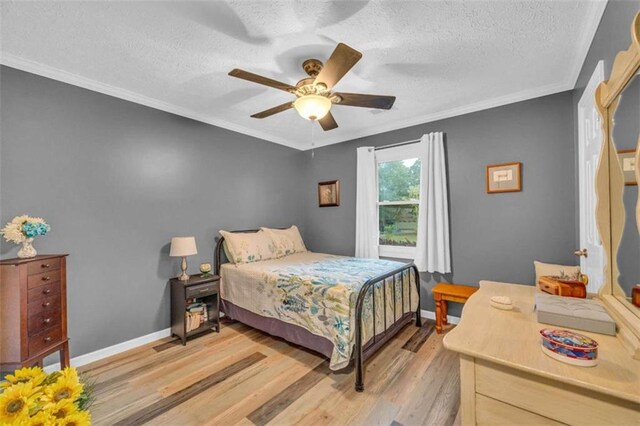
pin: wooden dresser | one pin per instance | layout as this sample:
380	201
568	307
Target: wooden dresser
33	311
505	378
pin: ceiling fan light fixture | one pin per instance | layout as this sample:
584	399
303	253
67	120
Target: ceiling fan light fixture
312	107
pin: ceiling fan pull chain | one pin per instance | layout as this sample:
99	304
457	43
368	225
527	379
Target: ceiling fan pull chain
313	145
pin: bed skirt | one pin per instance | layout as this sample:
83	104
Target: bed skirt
290	332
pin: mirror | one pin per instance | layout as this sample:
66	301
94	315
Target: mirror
617	205
625	137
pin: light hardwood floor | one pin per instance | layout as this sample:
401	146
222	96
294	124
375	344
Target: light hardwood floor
244	376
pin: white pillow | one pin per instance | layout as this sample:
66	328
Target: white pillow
287	241
247	247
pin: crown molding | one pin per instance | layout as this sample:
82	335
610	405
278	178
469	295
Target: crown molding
47	71
454	112
591	26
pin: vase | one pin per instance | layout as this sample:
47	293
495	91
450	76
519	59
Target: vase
27	250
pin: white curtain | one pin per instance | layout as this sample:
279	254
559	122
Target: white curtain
366	204
432	248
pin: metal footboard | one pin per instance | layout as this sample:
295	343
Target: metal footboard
360	352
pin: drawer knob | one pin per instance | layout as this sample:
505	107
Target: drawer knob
46	320
45	304
46	291
45	266
47	339
46	278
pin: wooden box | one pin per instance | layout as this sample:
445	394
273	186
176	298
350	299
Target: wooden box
558	287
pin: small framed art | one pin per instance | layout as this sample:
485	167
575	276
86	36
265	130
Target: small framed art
329	193
627	159
504	178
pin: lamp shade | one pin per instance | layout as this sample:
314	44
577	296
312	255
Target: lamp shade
312	107
183	246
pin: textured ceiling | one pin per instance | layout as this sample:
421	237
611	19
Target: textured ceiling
438	58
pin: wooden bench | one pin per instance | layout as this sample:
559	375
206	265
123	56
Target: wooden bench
443	293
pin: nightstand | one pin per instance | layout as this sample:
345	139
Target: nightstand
197	289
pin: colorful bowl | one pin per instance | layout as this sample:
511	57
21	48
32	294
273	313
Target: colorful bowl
569	347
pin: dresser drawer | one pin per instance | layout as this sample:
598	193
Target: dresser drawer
43	320
43	278
202	290
43	266
552	399
492	412
49	289
45	339
46	303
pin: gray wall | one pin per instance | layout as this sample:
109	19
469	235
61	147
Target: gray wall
493	236
116	181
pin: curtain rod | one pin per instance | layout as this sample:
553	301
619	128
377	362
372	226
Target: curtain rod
396	144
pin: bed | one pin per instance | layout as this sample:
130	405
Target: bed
321	301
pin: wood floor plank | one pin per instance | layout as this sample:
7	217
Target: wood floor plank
338	390
420	336
423	396
415	372
276	405
244	392
445	407
262	391
412	380
178	398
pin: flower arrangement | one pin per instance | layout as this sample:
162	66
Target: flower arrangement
32	397
22	230
22	227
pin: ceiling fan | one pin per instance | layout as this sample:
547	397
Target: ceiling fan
314	97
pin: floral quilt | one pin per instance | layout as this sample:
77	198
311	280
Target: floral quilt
318	292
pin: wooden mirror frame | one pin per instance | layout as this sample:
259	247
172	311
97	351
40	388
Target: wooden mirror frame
610	211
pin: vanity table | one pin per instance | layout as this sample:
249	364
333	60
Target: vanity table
505	378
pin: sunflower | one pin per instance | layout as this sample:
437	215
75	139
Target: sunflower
42	418
34	375
65	388
16	401
79	418
70	374
61	409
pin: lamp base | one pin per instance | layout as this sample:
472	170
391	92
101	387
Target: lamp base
183	276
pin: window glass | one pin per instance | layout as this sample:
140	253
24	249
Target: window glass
398	225
399	180
398	196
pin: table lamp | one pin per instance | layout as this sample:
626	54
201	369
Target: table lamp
183	247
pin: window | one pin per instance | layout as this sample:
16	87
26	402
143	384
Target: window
398	201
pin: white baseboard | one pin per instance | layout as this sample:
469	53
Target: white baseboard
432	315
112	350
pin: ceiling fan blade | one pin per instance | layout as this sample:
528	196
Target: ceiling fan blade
249	76
269	112
339	63
328	122
366	101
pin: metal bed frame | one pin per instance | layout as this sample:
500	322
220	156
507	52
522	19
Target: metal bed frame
364	350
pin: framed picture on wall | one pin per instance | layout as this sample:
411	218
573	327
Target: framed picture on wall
627	159
504	178
329	193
